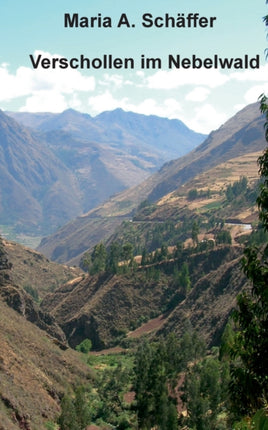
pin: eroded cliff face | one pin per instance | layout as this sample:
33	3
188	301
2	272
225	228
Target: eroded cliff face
22	302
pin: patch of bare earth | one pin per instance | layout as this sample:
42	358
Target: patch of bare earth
115	350
152	325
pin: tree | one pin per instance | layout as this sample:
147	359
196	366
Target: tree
223	236
249	378
144	257
127	252
152	371
192	194
81	408
184	279
98	258
195	232
68	418
75	412
113	257
84	346
203	393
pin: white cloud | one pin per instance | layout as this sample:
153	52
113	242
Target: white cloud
177	78
116	80
169	108
256	75
180	93
205	119
12	86
46	89
239	107
254	93
105	101
45	101
198	94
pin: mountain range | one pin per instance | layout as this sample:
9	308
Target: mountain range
240	135
54	167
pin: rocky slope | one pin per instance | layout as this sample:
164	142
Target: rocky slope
32	271
19	300
36	366
34	373
105	308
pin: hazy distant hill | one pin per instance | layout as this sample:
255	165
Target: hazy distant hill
242	134
37	189
68	163
148	137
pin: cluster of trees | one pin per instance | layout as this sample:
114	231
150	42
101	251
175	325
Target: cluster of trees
109	259
156	369
205	393
237	189
194	194
75	412
152	374
223	237
249	348
102	402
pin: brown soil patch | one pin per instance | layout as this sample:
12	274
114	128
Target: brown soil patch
152	325
130	397
115	350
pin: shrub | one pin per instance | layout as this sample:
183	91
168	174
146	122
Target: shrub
84	346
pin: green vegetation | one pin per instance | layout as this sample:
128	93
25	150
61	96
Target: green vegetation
237	189
133	390
85	346
102	403
249	350
205	394
108	260
223	236
33	292
218	391
193	194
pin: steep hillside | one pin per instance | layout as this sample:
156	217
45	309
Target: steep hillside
209	304
69	163
241	135
33	272
36	366
36	187
22	302
34	373
106	307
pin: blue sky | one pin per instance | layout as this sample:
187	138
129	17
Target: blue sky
203	99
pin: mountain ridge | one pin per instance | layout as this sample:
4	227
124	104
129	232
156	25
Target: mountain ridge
242	134
70	163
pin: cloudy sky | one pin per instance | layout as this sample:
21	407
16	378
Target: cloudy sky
202	98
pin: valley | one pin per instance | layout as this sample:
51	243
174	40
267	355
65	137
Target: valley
55	167
143	284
